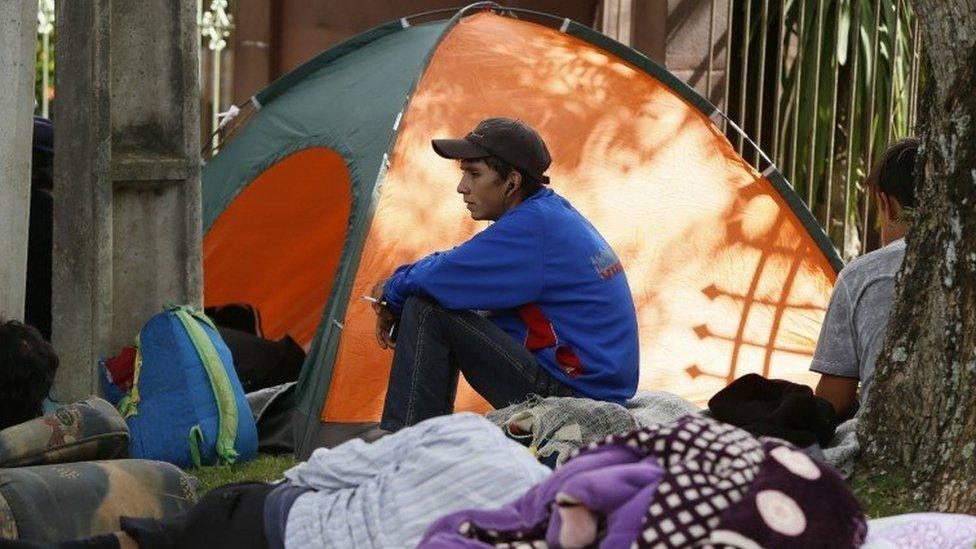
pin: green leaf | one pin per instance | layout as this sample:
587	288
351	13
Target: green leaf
844	28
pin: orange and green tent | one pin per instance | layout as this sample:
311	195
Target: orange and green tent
332	183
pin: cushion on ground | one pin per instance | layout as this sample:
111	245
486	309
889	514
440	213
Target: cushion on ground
90	429
76	500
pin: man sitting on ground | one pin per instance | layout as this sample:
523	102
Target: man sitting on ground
560	319
857	316
27	368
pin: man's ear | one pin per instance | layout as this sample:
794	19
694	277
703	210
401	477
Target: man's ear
513	182
884	204
889	206
894	208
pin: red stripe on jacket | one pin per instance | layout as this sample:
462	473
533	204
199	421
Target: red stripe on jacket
569	363
541	335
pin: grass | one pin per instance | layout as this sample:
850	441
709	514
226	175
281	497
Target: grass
883	495
264	468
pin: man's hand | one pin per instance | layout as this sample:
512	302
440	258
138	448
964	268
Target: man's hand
384	328
384	318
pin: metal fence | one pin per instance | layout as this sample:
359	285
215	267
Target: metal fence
822	86
216	25
43	87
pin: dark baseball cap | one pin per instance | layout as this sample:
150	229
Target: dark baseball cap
511	140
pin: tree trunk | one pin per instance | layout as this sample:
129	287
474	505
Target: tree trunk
920	423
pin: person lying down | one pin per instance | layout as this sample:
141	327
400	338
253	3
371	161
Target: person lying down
457	481
358	494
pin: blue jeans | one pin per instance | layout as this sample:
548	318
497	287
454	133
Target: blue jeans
434	345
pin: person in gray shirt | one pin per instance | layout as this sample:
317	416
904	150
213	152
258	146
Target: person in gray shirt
857	317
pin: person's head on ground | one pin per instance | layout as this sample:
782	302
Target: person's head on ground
27	368
503	162
892	182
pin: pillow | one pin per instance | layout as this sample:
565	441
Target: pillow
76	500
86	430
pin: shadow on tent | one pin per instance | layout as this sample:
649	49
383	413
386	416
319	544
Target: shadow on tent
327	189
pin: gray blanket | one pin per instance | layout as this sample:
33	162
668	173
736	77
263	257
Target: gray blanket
844	447
560	425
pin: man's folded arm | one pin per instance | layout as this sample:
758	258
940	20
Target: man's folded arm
501	267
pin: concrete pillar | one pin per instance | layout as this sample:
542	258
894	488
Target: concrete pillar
127	176
18	40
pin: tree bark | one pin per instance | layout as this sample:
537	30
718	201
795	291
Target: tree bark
919	424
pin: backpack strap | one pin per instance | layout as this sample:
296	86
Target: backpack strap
219	380
196	440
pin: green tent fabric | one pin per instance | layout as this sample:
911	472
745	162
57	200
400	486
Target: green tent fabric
330	184
323	106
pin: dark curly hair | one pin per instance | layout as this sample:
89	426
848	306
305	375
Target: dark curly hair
530	185
894	173
27	368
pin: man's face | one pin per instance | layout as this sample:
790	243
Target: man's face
482	189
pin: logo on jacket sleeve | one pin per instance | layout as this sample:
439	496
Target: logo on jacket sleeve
606	263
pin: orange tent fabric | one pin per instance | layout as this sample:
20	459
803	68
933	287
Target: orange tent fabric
278	244
332	183
726	278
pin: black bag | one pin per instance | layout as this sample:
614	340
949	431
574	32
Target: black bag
262	363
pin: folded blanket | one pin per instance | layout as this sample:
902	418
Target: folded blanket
654	407
555	427
843	448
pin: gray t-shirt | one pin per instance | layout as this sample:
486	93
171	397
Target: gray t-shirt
857	317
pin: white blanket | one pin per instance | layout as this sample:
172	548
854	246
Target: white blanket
386	493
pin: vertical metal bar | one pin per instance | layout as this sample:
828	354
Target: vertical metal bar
276	46
913	85
816	101
763	21
215	100
628	20
45	26
744	75
780	61
216	24
45	79
798	61
874	79
833	125
870	119
851	118
618	33
893	52
711	49
728	62
200	78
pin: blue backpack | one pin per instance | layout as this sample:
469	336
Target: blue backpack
186	405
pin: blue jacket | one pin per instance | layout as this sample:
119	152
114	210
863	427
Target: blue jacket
549	280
